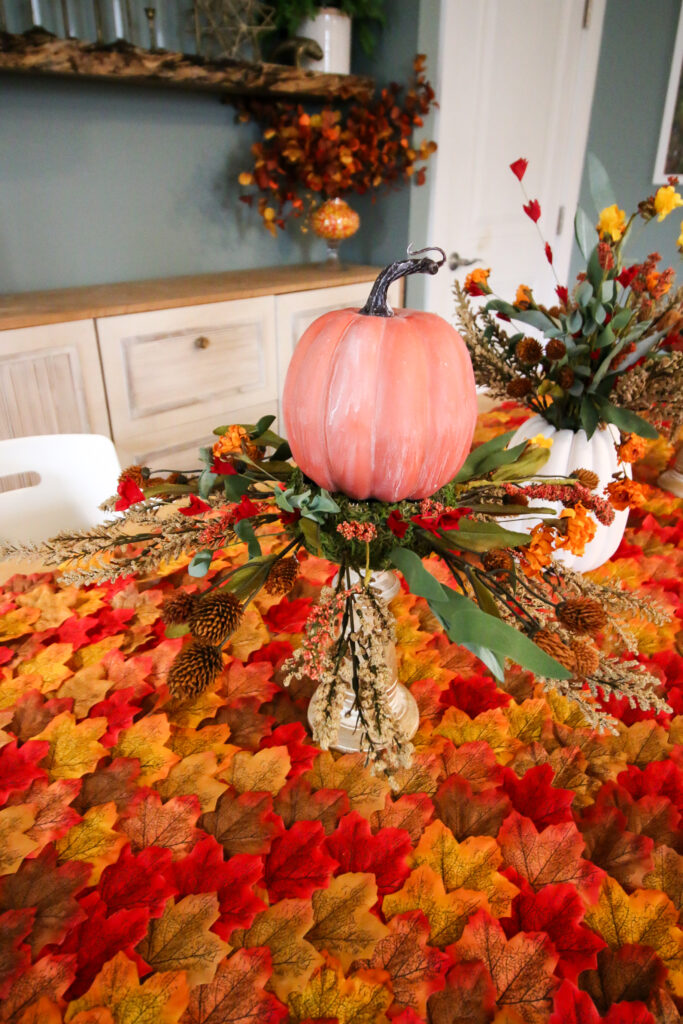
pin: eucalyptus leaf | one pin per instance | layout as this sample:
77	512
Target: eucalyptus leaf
584	232
605	337
641	349
589	417
311	532
250	576
282	453
235	487
608	292
199	566
621	319
584	293
577	388
485	598
495	665
531	461
575	322
206	455
476	462
205	483
628	422
263	425
600	186
245	532
477	536
533	317
594	272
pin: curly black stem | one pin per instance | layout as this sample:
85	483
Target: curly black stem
378	302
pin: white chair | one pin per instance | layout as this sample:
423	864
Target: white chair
77	472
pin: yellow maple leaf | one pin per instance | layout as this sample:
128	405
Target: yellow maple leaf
414	664
262	772
17	623
194	775
188	712
642	743
490	727
360	999
88	601
185	742
55	606
91	654
44	1011
250	635
529	720
282	928
145	740
50	665
343	924
74	747
472	864
366	792
180	940
88	687
160	999
93	840
667	875
15	822
447	913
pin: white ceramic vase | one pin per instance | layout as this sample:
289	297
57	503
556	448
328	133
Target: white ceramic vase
331	29
672	479
401	701
572	450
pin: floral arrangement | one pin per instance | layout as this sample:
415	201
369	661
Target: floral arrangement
304	158
613	348
496	591
290	13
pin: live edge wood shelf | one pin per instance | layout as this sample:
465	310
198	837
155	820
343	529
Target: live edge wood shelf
157	364
40	52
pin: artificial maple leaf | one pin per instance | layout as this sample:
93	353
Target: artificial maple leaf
659	778
49	665
48	977
93	840
237	993
667	875
263	772
447	913
298	862
282	928
644	742
53	815
145	741
472	864
47	1011
521	967
384	854
630	973
17	622
535	797
148	822
243	823
568	765
414	968
571	1006
366	792
15	844
138	880
475	762
233	881
15	955
247	724
214	738
116	782
645	918
490	727
297	802
288	616
421	776
558	911
74	747
180	939
32	712
301	755
469	996
19	766
410	813
91	654
343	924
160	999
549	857
194	776
244	683
48	890
86	688
609	844
467	813
119	713
330	996
249	635
528	721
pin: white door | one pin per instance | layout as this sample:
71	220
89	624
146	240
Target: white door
515	79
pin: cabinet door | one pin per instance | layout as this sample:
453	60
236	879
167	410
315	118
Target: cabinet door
167	369
51	381
296	311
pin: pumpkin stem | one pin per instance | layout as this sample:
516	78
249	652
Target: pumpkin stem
378	302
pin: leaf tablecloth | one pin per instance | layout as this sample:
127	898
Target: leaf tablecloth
167	861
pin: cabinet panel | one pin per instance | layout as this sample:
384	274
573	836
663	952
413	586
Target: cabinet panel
176	366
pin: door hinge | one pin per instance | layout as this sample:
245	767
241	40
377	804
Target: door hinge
587	11
560	221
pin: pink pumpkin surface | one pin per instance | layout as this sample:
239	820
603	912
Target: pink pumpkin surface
381	407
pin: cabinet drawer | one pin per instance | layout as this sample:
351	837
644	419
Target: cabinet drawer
174	366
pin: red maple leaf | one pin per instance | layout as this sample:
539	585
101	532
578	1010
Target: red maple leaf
474	694
298	862
19	766
468	813
15	956
100	937
118	712
244	823
384	854
570	1006
110	622
75	631
297	801
535	797
292	736
658	778
549	857
138	881
609	844
288	616
276	652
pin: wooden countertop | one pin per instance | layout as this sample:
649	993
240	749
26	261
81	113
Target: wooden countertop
29	309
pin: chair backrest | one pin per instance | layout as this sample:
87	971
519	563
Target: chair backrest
77	473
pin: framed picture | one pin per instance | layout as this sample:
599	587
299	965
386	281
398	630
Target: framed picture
670	149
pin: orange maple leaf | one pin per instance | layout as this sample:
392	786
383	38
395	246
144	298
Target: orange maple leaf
237	992
161	998
180	940
548	857
447	913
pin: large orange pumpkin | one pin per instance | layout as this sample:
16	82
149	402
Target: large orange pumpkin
381	404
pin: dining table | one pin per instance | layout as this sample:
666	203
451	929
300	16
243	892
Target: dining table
169	860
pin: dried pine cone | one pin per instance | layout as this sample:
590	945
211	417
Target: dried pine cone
555	349
194	669
178	608
552	644
586	657
215	616
565	377
497	561
519	387
528	351
282	576
581	614
138	474
587	477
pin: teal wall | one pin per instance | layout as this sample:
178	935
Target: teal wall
102	183
633	74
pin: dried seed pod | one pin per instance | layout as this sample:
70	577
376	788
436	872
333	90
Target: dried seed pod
587	478
581	614
194	669
529	351
586	657
138	475
178	608
215	616
565	377
282	576
519	387
497	561
555	349
552	644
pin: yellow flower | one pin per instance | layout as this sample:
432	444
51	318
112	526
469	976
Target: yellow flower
612	222
667	199
523	297
541	441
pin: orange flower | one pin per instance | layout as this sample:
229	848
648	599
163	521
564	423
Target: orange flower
477	282
230	443
539	553
580	528
632	448
624	493
523	297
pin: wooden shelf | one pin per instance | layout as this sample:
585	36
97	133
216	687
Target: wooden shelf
38	52
30	309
